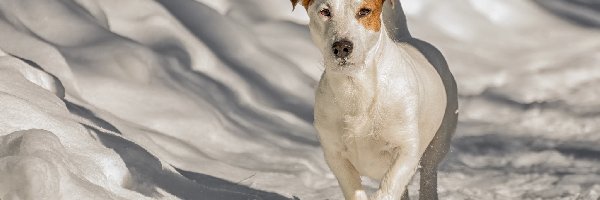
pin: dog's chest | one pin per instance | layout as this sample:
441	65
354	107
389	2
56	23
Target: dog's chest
364	146
371	156
360	117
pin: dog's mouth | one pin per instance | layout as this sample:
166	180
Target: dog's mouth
343	62
343	65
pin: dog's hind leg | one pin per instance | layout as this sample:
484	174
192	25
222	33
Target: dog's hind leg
428	186
405	195
434	154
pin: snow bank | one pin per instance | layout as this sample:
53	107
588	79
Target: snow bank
45	153
182	99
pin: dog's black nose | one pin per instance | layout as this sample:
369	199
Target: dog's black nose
342	48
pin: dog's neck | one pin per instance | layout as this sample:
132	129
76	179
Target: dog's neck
352	90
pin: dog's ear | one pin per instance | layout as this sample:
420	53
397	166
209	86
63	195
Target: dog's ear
294	3
391	1
305	3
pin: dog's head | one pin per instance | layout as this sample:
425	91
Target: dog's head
346	31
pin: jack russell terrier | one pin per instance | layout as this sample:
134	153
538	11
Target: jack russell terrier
385	106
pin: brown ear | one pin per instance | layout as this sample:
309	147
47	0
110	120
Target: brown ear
294	2
305	3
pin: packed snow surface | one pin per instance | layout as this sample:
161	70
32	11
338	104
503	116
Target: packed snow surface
205	99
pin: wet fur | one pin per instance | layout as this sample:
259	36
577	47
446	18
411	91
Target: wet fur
366	131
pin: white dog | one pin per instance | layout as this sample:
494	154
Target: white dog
383	108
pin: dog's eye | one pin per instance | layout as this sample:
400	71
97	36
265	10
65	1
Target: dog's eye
325	12
364	12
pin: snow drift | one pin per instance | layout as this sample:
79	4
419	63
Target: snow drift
182	99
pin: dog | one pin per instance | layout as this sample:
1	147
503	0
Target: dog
385	105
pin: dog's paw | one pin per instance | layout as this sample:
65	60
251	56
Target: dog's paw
381	196
360	195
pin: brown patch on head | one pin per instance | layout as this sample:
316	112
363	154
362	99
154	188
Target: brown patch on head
372	21
305	3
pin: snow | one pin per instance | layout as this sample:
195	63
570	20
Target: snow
184	99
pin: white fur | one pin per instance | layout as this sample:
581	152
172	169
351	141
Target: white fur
376	116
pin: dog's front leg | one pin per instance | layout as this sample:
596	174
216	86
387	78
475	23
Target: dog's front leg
393	184
346	174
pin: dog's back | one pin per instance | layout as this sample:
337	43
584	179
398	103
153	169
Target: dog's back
395	23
